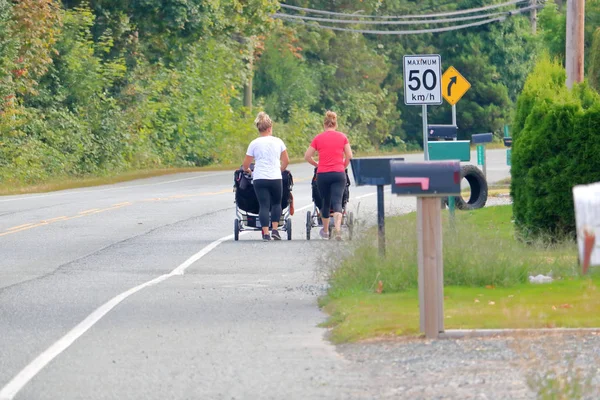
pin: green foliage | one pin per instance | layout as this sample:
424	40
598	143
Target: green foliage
553	22
283	79
552	29
92	87
555	147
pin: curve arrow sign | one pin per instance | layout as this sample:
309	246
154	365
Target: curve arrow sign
452	83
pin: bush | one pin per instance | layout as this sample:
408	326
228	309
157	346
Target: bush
555	147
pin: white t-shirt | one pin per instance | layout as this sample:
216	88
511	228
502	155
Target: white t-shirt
266	151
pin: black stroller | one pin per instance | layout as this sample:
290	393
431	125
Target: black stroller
313	218
247	207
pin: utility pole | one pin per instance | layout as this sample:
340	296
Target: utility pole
534	17
248	85
575	41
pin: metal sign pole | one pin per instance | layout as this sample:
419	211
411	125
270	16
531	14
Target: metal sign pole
454	115
425	133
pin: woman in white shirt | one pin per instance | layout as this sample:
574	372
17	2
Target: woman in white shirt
270	159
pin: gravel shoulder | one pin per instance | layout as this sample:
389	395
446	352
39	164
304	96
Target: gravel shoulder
561	365
517	367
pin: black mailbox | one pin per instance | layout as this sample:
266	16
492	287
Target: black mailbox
372	170
508	141
443	131
480	138
426	178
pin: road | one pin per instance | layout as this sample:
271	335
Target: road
137	291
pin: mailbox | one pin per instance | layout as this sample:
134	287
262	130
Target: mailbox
508	141
442	131
372	170
481	138
426	179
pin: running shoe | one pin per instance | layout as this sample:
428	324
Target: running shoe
266	237
275	235
323	235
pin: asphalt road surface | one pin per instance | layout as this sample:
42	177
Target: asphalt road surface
137	291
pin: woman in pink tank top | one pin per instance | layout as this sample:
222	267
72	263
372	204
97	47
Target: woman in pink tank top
334	157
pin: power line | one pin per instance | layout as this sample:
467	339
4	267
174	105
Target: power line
409	32
414	31
412	22
459	12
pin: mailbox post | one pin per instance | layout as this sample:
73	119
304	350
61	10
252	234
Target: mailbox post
375	171
428	181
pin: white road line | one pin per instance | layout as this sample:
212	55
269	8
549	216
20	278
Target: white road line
63	193
10	390
366	195
13	387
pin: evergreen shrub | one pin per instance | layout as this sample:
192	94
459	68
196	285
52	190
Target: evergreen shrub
556	145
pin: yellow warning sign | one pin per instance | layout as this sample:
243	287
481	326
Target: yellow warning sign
454	85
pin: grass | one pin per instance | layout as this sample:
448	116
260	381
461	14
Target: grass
483	263
567	303
481	250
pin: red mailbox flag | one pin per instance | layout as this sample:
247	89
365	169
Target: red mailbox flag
589	241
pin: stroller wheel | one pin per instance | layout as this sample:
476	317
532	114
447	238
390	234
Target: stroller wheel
288	223
236	229
308	224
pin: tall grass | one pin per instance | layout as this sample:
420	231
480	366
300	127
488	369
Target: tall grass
481	250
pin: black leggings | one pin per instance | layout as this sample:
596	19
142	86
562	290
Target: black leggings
331	187
268	192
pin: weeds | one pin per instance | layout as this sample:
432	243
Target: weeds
480	251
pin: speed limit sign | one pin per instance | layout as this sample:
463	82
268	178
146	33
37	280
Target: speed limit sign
423	79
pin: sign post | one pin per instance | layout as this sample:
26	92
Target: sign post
423	86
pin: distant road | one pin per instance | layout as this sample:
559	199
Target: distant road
136	291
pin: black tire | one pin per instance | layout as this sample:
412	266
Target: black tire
308	224
350	225
236	229
288	228
479	188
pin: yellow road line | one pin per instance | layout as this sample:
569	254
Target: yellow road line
93	211
54	219
89	211
19	227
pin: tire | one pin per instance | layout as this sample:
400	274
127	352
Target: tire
288	228
479	188
350	225
308	224
236	229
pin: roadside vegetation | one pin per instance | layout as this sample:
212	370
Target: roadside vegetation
98	89
486	271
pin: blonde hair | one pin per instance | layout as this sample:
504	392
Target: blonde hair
263	122
330	120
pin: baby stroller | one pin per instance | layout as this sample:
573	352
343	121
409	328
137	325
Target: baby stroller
247	207
313	218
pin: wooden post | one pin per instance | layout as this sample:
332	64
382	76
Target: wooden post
431	292
534	17
248	86
574	56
